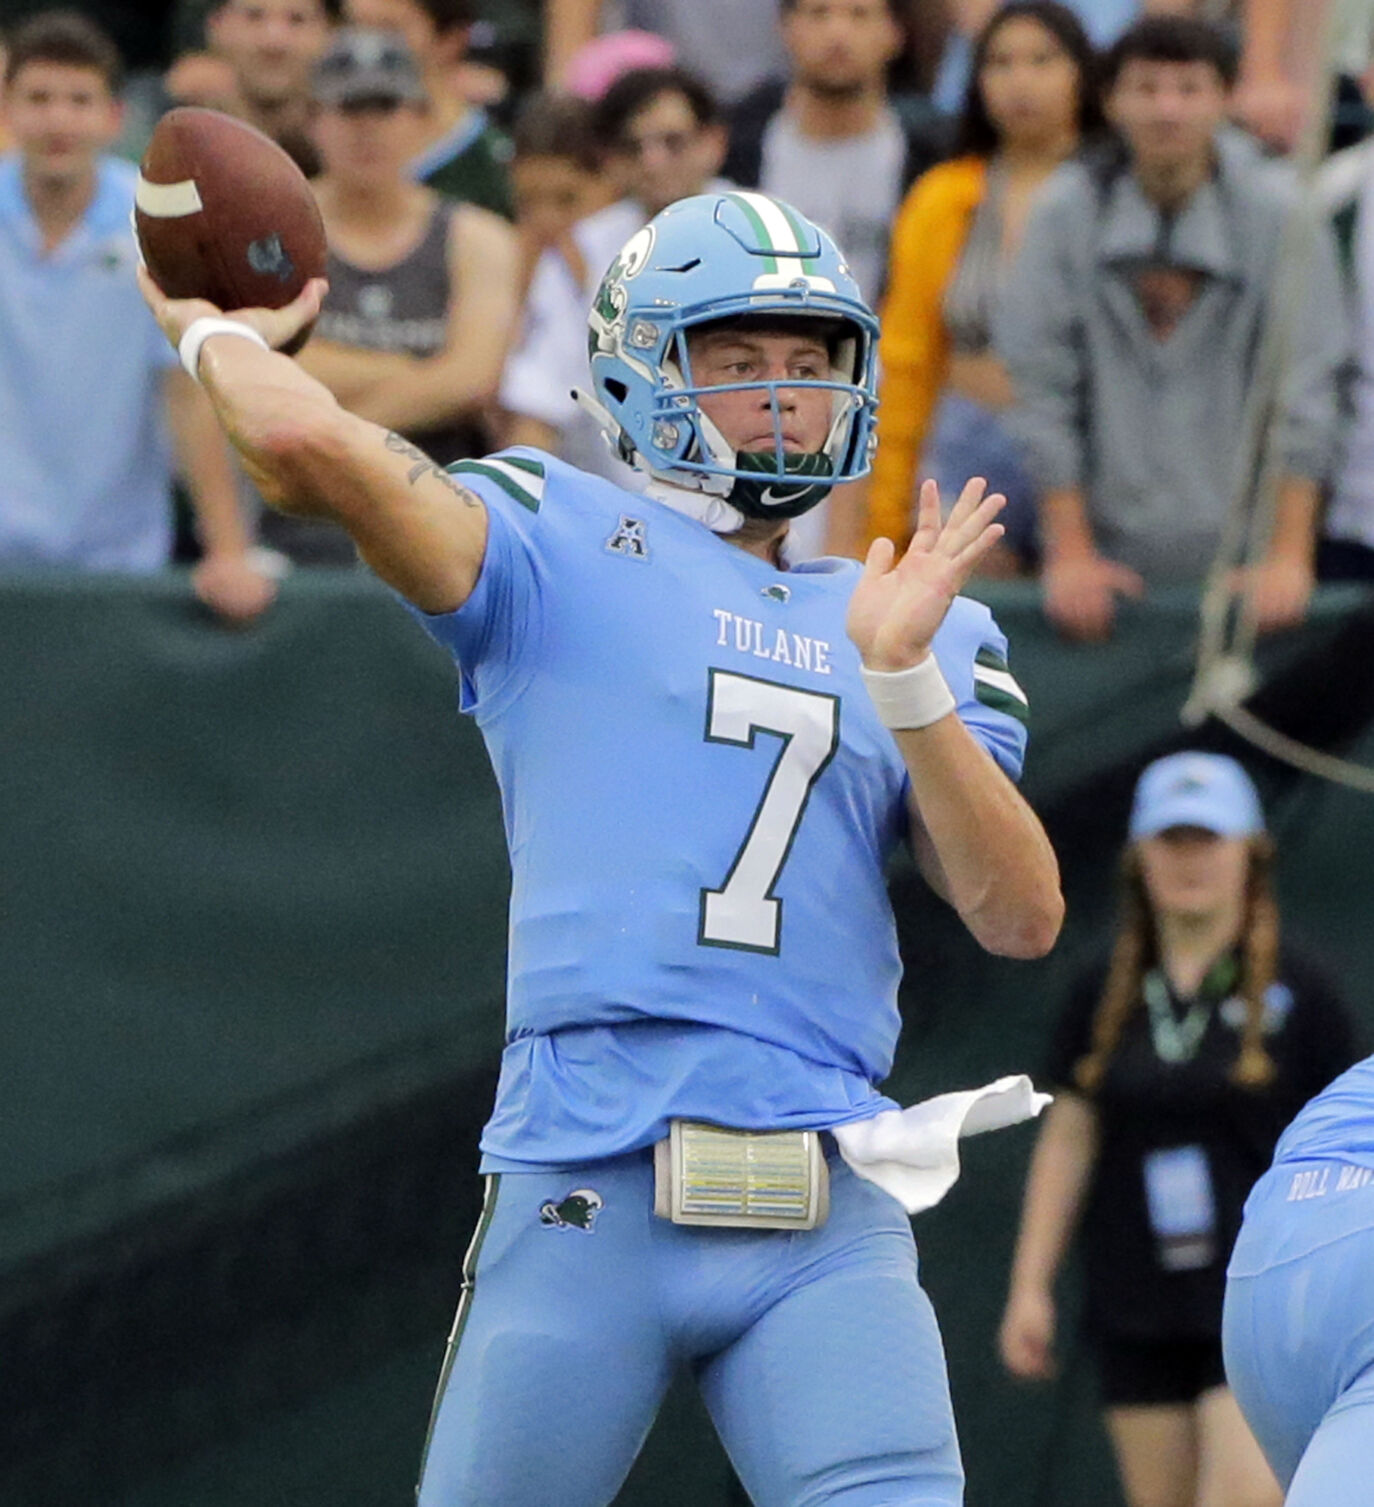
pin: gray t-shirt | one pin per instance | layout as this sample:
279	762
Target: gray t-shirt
850	185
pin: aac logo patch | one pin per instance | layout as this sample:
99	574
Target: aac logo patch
629	539
575	1211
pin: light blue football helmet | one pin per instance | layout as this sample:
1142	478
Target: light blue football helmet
718	257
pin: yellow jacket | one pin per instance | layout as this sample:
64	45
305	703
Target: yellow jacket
927	239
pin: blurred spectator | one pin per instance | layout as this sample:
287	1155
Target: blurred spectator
1131	323
87	382
422	292
203	79
1103	20
1278	40
1031	101
556	180
1346	191
462	154
271	46
826	139
1175	1066
660	135
731	45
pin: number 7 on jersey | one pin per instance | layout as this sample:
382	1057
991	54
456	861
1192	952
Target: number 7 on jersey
744	912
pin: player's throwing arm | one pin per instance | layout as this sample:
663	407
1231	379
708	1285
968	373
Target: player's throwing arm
421	531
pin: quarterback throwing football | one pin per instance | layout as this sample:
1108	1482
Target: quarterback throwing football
705	759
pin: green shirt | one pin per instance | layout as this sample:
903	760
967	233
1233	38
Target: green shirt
469	163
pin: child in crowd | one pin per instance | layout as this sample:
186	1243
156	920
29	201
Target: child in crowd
556	179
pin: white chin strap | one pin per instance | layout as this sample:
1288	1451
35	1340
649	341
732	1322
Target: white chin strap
672	491
718	515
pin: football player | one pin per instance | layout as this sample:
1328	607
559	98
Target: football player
1298	1329
705	759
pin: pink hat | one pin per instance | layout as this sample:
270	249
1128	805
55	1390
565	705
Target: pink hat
594	68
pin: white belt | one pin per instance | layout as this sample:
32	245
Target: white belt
741	1179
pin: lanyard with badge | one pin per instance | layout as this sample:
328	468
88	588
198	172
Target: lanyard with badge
1179	1195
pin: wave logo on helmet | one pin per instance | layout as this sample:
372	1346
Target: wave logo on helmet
575	1211
606	325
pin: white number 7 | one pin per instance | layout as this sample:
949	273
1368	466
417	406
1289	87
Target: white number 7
743	913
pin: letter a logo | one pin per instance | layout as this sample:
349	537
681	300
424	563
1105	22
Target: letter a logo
629	540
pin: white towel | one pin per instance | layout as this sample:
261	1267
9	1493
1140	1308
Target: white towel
913	1154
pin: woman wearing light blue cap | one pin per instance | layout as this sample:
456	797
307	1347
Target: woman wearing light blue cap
1176	1064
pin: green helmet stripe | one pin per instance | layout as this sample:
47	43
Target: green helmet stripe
809	263
760	229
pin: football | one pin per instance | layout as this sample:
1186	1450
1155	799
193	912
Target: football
223	213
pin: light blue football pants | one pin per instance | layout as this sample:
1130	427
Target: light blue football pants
1298	1330
817	1353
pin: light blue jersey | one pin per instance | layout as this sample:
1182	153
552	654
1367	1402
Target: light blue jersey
1337	1124
1298	1329
699	801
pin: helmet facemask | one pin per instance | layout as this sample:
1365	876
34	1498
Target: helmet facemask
772	482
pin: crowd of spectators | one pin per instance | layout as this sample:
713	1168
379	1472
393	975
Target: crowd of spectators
1105	284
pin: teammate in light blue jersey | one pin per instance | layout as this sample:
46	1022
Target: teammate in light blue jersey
705	760
1299	1320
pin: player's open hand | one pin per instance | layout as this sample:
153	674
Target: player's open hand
899	604
278	327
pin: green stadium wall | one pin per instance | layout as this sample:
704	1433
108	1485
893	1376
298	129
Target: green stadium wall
252	921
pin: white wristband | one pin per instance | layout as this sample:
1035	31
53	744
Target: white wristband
200	330
911	698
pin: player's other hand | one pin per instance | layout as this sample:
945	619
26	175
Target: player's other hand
1026	1338
1080	594
276	326
233	586
899	604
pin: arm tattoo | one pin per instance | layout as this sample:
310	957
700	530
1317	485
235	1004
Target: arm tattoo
424	466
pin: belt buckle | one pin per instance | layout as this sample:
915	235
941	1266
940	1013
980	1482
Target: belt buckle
741	1179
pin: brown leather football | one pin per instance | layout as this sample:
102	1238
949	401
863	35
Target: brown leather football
223	213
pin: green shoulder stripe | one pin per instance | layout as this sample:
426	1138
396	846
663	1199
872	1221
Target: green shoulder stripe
521	480
1002	701
996	687
521	463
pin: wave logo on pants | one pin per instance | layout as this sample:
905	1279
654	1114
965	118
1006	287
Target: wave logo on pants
574	1211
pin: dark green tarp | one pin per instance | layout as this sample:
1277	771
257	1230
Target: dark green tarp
252	890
